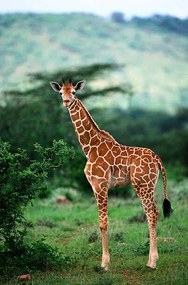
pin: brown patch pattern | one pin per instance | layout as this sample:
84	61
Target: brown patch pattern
110	164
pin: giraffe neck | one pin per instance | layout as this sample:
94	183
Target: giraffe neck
87	130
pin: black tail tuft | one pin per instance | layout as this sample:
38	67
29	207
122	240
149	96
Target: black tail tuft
167	210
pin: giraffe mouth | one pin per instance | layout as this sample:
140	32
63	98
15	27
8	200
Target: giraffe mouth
66	103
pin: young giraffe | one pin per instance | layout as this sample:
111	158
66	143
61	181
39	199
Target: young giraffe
110	164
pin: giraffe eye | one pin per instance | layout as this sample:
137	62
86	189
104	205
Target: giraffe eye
73	92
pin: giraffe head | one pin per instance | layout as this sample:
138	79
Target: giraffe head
68	90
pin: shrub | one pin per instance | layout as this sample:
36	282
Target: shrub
118	17
35	256
21	180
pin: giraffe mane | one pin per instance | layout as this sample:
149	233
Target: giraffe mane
101	133
106	135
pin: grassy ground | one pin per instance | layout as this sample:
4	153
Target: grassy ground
73	228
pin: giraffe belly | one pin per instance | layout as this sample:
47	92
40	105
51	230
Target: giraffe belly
119	177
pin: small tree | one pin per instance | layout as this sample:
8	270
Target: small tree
21	180
118	17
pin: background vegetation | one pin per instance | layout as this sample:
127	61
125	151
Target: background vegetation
136	75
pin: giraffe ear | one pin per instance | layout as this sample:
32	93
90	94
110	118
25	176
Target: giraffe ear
55	86
80	85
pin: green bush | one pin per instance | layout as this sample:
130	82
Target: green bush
33	257
21	180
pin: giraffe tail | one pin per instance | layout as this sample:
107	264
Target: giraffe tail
167	209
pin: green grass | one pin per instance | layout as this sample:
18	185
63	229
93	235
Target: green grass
73	228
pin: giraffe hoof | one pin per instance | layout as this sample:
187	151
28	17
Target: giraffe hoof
104	267
105	263
152	262
151	266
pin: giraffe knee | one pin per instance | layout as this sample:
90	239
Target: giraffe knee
153	216
103	226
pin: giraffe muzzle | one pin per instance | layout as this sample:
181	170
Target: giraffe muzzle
66	103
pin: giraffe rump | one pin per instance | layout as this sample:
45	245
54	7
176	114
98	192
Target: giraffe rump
167	210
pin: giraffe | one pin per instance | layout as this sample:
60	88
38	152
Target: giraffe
110	165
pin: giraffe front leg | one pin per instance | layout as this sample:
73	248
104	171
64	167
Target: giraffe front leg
105	251
101	194
103	224
100	188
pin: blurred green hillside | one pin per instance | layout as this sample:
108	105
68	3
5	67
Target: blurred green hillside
153	53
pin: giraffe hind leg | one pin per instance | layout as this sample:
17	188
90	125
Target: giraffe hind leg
146	196
152	224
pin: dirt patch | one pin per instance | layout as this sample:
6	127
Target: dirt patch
168	239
